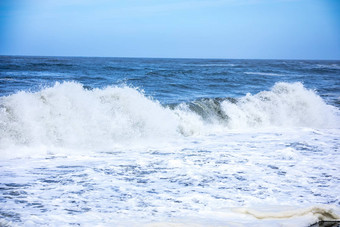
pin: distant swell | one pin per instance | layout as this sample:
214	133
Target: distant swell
69	115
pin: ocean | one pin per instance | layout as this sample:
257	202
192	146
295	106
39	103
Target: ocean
168	142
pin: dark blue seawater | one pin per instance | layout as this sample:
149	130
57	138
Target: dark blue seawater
171	80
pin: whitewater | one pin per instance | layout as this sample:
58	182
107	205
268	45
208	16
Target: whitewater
168	142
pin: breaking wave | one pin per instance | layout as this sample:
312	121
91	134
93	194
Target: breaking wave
67	114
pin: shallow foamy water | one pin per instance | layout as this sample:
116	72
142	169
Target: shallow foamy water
190	180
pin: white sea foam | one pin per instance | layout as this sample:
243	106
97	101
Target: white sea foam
258	178
191	181
68	115
285	105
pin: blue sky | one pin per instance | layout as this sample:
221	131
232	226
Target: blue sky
269	29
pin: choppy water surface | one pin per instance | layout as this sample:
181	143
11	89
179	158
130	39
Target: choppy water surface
110	141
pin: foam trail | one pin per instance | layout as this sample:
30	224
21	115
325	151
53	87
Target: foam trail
322	213
272	216
294	217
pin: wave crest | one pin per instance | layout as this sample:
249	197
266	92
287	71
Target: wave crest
67	114
285	105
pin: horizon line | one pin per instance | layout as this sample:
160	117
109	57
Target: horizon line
188	58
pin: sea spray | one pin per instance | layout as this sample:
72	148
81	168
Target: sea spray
285	105
69	115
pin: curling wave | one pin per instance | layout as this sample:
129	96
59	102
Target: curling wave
68	114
